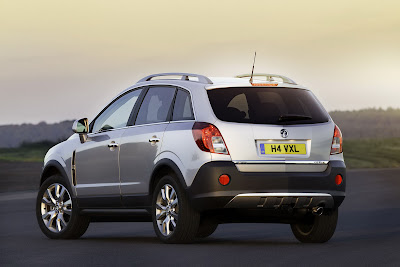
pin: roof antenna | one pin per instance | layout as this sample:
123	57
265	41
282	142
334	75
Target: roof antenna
252	70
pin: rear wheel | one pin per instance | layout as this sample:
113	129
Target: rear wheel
174	220
57	212
316	229
207	227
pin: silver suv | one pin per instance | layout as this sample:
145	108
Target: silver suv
188	153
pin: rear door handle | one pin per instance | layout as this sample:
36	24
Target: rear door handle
113	145
154	139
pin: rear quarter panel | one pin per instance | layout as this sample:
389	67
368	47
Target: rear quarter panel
180	147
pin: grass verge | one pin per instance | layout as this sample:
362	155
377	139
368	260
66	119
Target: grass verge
27	152
372	153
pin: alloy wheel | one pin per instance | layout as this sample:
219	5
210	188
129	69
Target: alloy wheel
167	209
56	207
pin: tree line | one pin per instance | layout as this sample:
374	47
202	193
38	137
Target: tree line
358	124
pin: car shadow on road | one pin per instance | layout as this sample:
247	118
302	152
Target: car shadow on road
201	242
354	226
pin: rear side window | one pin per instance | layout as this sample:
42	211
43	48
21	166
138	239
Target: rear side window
156	105
183	107
260	105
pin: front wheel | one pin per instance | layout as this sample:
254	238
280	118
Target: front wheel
174	219
316	229
57	212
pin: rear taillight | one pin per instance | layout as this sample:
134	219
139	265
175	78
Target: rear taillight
208	138
337	142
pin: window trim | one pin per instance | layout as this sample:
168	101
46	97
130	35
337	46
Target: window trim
135	111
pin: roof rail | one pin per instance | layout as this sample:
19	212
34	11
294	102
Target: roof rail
185	77
269	77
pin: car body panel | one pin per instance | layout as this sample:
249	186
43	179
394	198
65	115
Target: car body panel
243	140
137	156
97	167
128	170
179	141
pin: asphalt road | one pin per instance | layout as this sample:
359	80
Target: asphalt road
368	233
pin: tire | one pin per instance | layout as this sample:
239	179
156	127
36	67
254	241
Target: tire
316	229
174	220
206	228
57	212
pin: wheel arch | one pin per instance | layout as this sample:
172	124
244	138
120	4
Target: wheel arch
163	167
51	168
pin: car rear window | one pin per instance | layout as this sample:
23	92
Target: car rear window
265	105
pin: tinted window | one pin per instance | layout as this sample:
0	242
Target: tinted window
117	114
266	106
156	105
183	107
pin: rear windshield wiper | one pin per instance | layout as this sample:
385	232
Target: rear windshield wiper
294	117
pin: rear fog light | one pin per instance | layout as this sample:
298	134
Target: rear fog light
338	179
224	179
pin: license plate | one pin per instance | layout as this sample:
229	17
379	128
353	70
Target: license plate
271	149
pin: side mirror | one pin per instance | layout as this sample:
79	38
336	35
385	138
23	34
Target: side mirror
82	128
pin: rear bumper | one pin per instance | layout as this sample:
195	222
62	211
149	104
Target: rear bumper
261	190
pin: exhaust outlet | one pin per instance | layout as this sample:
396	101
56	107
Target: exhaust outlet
317	211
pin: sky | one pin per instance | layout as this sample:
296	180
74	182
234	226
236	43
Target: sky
67	59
